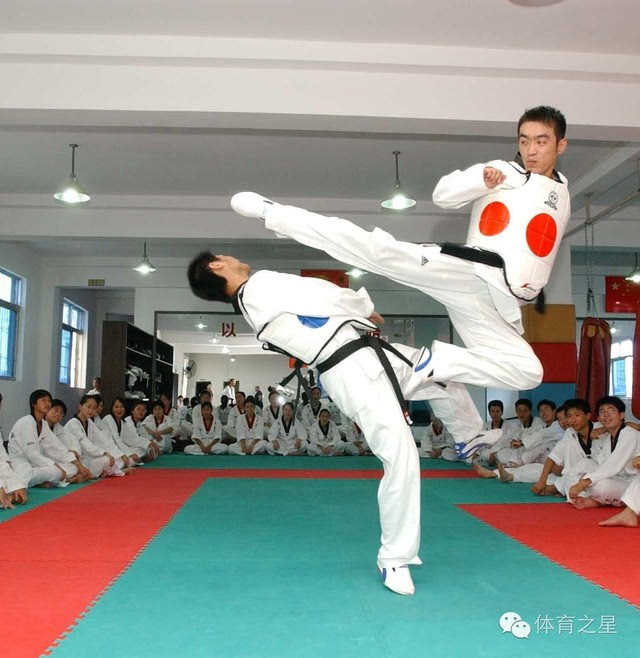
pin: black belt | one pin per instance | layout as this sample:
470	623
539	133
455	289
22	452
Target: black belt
379	346
302	382
474	255
486	258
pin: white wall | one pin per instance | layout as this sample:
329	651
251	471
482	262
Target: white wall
32	352
263	370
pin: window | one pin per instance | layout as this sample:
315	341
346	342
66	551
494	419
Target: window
622	368
10	298
72	345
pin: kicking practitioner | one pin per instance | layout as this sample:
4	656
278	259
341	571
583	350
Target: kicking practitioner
313	321
518	217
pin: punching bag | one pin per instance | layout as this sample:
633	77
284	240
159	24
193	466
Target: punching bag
594	361
635	399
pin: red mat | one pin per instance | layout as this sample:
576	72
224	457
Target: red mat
573	539
61	556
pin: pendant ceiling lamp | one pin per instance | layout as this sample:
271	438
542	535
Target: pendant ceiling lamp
398	199
634	275
145	266
72	193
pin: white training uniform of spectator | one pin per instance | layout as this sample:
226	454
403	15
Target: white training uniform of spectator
10	481
614	470
631	496
271	416
575	459
437	438
206	433
230	392
309	414
142	439
511	429
355	442
94	445
91	456
124	436
536	446
164	443
37	457
290	437
247	431
325	441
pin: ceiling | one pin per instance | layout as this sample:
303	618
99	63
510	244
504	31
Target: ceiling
571	25
146	163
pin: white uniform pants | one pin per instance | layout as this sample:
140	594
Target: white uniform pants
528	473
609	491
486	319
631	497
96	465
258	449
516	456
218	449
316	449
284	449
35	475
372	404
353	450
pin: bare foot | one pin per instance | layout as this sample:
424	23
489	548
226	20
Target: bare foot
504	476
585	503
129	470
627	518
482	471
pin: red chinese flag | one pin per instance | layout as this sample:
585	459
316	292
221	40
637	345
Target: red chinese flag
339	277
621	296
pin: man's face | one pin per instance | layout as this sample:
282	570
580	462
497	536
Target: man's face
43	405
55	415
139	412
561	417
523	412
610	417
316	394
539	148
547	414
495	412
577	419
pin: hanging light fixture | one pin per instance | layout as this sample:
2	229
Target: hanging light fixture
634	275
145	266
356	272
614	329
72	193
214	339
200	324
232	359
398	199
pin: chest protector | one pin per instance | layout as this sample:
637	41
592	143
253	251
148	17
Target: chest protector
524	225
304	337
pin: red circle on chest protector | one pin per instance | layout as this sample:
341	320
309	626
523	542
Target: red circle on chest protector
494	218
541	234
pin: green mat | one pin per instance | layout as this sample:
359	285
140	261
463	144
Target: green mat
270	568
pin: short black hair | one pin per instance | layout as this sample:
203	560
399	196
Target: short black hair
549	403
37	395
122	401
561	408
206	405
61	404
157	404
547	115
613	400
579	404
98	398
250	400
496	403
204	283
526	402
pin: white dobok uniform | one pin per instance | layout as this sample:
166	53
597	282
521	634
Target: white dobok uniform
353	436
286	437
92	445
35	456
613	472
310	319
10	481
575	459
512	429
320	439
270	418
537	444
309	415
244	432
164	443
483	307
207	437
125	437
232	421
430	441
142	438
631	496
230	393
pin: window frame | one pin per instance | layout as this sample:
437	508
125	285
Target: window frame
13	306
75	367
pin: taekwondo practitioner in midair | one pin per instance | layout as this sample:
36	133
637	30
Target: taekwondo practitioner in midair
315	321
518	216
